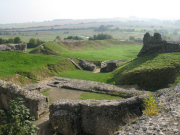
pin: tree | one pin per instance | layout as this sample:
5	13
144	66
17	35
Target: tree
10	40
17	40
101	37
101	28
131	38
34	43
58	38
73	38
16	121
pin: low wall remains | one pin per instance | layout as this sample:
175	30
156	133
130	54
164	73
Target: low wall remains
13	47
93	117
36	103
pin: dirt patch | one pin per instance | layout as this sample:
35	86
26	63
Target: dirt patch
55	94
59	93
97	70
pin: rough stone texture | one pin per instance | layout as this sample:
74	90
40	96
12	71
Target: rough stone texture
37	103
13	47
92	86
166	123
154	44
38	87
93	117
87	65
109	66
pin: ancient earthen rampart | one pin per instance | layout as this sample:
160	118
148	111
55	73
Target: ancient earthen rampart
155	44
37	103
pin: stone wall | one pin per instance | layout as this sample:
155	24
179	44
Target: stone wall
93	117
86	65
109	66
37	103
155	44
13	47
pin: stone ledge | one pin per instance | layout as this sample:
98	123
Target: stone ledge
93	116
37	103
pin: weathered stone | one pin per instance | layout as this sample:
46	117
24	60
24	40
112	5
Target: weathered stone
96	117
37	103
154	44
164	123
87	65
65	122
13	47
109	66
92	86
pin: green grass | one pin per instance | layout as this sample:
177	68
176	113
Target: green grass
12	62
45	92
150	72
87	75
96	96
106	52
128	52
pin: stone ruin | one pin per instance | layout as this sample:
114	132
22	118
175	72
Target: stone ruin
155	44
93	117
13	47
36	103
109	66
86	65
72	117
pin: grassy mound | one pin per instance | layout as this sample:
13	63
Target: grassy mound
90	50
49	48
22	68
88	75
150	72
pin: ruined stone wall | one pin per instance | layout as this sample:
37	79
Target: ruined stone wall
93	117
155	44
13	47
109	66
37	103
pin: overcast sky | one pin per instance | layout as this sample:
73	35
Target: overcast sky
19	11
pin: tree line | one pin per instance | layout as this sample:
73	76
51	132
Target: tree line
10	40
101	37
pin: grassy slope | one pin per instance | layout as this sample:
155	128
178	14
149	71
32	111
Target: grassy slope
87	75
109	50
150	72
22	68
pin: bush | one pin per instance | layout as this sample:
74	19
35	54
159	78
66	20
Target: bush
151	106
73	38
16	121
101	37
34	43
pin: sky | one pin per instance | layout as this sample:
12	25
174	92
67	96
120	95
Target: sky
20	11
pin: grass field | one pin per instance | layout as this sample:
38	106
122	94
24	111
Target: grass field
87	75
12	62
128	52
106	52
